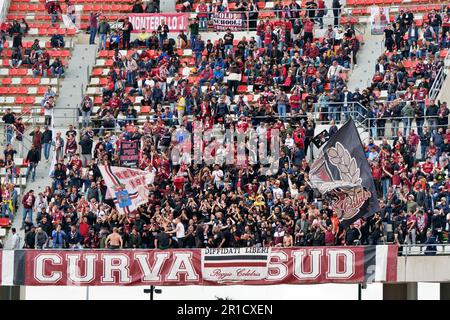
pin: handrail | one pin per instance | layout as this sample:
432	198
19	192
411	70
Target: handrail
120	16
4	10
404	252
440	78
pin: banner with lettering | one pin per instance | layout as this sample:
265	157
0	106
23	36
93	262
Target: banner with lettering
298	265
129	153
150	21
127	187
235	264
227	20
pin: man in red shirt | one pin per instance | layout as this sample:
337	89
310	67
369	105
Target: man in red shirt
320	12
84	228
413	141
428	166
308	28
447	134
294	101
76	164
376	175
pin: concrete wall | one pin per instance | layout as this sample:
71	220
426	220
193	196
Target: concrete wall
423	269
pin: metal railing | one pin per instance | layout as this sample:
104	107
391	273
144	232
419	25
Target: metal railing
83	17
424	249
404	249
440	78
4	9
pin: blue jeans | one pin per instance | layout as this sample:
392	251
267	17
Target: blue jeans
198	57
406	126
395	127
228	47
419	124
25	213
269	49
130	77
54	18
9	133
385	184
334	114
31	168
161	41
373	131
411	41
345	112
6	210
423	151
203	24
192	40
436	32
57	182
86	117
92	34
58	71
47	147
259	41
102	44
38	73
432	123
281	111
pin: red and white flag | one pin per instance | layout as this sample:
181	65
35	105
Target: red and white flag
126	186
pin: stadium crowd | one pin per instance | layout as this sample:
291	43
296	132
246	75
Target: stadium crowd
292	74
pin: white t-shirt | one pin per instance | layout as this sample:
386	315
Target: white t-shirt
186	72
218	175
277	193
180	230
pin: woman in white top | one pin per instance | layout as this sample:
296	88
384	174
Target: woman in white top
186	71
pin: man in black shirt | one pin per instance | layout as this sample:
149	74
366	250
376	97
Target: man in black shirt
228	42
47	142
9	119
163	240
86	144
389	38
351	235
46	226
71	131
30	238
33	160
163	31
336	12
311	6
127	27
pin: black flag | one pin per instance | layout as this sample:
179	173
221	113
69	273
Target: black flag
320	139
342	173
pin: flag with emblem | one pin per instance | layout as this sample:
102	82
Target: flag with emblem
342	174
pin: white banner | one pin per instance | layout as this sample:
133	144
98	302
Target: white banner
68	23
235	264
379	19
127	187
